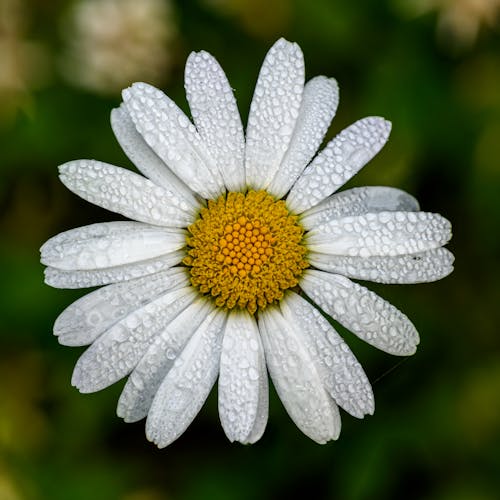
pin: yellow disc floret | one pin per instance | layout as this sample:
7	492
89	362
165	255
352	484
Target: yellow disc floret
245	249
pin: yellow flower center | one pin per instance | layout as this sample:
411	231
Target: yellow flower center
244	250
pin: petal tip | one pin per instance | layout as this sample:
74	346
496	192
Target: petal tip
368	409
284	44
126	93
196	55
82	389
78	380
334	83
116	114
137	87
381	123
67	341
154	437
62	169
410	350
56	331
281	41
122	413
47	278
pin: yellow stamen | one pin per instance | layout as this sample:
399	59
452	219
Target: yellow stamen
245	250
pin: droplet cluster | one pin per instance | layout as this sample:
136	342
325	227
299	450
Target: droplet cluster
244	250
245	246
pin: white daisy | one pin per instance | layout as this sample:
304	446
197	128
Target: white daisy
201	289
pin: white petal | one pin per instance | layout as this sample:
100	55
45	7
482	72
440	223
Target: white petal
187	385
110	244
126	193
382	234
341	373
297	380
90	316
97	277
422	267
216	116
341	159
363	312
359	201
273	112
145	379
318	107
144	158
173	138
116	352
243	386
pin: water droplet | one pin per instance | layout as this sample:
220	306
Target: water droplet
253	374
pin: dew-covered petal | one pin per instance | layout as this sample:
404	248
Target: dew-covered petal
145	379
341	159
97	277
296	379
173	137
363	312
126	193
117	351
421	267
380	234
91	315
144	158
187	385
216	116
317	109
110	244
243	385
273	112
359	201
340	371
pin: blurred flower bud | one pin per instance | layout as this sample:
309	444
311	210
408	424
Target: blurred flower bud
459	21
112	43
23	63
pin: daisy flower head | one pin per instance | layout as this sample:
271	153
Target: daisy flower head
230	232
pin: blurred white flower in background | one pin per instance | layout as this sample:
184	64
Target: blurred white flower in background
459	21
23	63
112	43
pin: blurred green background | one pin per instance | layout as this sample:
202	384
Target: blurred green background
432	67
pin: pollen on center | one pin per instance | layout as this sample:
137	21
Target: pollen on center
244	250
